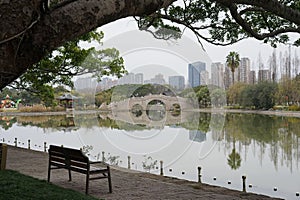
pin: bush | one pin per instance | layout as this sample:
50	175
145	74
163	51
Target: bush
34	108
234	107
57	108
278	107
294	108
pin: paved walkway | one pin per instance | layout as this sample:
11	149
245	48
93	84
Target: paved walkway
127	184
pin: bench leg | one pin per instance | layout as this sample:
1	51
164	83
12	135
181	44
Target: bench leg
109	179
70	176
87	183
49	168
48	179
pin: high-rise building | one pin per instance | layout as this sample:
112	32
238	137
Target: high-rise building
244	70
106	83
139	78
252	77
217	74
177	82
264	75
204	77
227	77
127	79
85	84
194	71
158	79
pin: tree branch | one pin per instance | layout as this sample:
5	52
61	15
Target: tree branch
57	26
195	30
273	6
237	17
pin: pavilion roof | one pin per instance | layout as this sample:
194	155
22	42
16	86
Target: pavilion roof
67	96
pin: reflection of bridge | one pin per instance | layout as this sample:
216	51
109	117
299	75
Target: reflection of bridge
169	118
170	102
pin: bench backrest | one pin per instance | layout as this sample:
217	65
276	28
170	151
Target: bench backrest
69	158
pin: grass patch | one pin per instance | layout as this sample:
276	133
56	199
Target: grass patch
14	185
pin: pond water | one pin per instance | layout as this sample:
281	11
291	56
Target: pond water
226	146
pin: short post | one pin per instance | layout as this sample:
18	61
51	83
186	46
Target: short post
161	168
28	144
244	183
199	174
16	142
103	157
128	162
3	156
45	146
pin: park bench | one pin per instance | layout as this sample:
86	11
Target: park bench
74	160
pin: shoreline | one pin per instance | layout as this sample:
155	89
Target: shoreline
206	110
259	112
127	184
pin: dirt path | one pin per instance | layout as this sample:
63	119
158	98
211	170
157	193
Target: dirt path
127	184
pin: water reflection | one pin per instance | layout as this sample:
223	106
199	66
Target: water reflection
197	136
234	160
281	134
266	148
240	130
6	122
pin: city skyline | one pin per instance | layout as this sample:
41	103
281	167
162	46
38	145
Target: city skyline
198	74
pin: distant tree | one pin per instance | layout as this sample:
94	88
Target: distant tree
288	90
261	96
203	95
284	93
248	97
234	93
218	97
233	62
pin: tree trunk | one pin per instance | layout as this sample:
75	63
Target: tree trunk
27	33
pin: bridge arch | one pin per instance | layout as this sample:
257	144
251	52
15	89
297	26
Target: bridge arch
170	102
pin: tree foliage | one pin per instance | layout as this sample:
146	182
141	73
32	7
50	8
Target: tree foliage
233	93
203	95
224	22
233	62
288	91
259	96
218	97
71	59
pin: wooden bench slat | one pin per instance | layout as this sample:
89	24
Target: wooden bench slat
70	156
70	162
98	171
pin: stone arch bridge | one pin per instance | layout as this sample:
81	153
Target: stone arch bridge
169	102
152	114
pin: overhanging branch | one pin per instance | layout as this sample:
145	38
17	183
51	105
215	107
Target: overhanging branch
238	18
273	6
